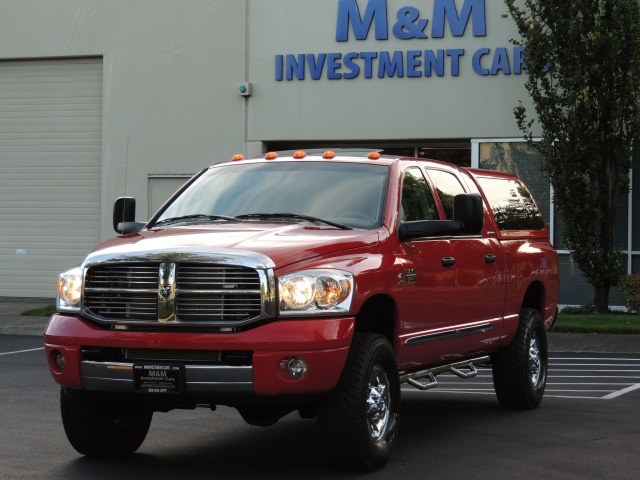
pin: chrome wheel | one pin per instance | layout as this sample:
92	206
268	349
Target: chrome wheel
378	404
535	364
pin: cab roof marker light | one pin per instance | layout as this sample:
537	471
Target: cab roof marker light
271	156
329	155
237	157
299	155
374	156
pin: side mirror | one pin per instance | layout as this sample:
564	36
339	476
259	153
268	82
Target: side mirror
467	208
124	216
468	219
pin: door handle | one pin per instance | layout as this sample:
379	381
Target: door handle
490	259
448	261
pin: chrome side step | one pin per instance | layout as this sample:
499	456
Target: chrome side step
431	373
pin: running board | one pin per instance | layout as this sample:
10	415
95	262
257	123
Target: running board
430	374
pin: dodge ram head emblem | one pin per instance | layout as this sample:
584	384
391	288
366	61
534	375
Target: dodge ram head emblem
165	291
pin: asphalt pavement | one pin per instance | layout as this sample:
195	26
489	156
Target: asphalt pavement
13	323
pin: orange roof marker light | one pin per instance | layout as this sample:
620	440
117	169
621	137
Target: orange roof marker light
271	156
329	155
374	156
237	157
299	155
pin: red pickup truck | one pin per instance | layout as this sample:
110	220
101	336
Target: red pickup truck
316	283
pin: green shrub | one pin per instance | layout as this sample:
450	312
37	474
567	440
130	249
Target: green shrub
630	288
583	310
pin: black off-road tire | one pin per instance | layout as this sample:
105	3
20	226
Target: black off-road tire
104	428
361	417
520	370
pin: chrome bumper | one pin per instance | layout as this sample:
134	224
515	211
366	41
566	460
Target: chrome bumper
118	377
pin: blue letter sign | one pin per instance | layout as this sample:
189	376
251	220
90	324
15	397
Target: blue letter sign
349	14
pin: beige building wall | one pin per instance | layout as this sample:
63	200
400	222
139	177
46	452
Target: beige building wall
170	74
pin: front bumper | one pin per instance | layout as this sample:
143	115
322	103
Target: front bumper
322	343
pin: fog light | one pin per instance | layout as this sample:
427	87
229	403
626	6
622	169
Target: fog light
60	361
295	367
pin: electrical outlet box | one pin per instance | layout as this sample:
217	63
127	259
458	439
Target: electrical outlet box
245	89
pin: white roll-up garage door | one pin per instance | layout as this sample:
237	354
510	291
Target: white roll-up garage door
50	168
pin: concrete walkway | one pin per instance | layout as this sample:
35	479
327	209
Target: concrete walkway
12	323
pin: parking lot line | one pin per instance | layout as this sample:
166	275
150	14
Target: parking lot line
570	376
22	351
622	392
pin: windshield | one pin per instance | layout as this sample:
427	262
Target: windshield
350	194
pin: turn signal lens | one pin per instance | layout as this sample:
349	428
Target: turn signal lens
331	290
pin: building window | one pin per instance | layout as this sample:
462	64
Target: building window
517	156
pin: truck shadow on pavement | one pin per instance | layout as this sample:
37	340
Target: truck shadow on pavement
432	427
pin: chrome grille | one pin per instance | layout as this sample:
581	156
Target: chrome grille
192	307
124	291
213	291
204	293
215	277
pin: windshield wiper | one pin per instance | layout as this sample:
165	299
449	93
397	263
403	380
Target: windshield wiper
194	217
294	216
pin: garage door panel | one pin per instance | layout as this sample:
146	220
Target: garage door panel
50	169
34	224
72	160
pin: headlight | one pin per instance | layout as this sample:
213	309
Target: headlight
70	290
313	292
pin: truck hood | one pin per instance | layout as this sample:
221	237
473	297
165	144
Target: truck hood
260	244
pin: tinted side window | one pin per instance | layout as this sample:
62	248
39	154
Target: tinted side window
447	186
512	204
417	200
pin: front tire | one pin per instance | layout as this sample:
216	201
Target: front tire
520	370
97	427
360	419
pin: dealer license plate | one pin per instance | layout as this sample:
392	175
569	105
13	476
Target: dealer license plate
158	377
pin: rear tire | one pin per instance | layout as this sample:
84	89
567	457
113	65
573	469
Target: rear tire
520	370
360	419
97	427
